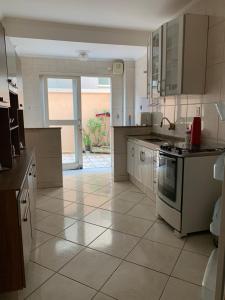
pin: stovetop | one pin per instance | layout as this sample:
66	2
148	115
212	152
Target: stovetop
183	150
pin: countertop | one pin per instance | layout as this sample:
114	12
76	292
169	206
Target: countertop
13	178
155	145
44	128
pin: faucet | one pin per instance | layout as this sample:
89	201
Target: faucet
171	125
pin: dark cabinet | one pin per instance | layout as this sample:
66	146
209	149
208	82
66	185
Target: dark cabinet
4	90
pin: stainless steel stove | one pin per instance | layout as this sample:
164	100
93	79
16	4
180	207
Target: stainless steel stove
186	188
181	149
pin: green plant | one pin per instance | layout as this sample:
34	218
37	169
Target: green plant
86	139
95	128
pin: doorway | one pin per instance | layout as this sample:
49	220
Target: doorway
96	115
63	109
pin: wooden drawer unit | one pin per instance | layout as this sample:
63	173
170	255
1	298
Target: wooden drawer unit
17	203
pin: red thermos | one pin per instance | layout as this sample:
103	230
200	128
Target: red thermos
196	131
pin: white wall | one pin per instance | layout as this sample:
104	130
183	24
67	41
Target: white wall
16	27
33	68
129	93
141	103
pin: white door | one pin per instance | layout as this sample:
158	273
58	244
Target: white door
63	109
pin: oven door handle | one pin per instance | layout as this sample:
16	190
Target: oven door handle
167	156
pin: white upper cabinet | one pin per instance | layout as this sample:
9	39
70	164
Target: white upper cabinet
179	50
156	62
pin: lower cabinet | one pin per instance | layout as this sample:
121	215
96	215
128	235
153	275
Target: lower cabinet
142	165
130	157
17	205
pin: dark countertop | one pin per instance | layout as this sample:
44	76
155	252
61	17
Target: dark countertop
13	179
40	128
131	126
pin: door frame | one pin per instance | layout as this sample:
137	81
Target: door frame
76	122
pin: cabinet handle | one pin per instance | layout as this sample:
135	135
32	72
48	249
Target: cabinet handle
142	156
132	152
27	210
30	174
158	86
24	201
33	165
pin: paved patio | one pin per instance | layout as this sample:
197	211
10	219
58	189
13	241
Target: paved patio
90	160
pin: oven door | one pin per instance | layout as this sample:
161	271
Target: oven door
170	179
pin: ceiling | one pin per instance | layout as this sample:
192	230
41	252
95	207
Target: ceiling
47	48
130	14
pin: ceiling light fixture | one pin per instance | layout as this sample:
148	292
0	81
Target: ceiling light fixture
83	55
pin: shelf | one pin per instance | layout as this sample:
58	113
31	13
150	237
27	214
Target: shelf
14	127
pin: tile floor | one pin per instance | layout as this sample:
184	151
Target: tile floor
98	240
90	160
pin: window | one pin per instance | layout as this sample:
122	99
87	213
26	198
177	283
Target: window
103	82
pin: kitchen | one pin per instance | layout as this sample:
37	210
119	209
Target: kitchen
150	217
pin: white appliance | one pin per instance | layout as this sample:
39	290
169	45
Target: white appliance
209	280
187	191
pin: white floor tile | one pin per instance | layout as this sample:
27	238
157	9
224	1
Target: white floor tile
101	217
54	224
101	296
82	233
190	267
52	205
132	282
55	253
143	211
77	211
114	243
163	233
40	238
155	256
91	267
178	289
35	276
118	205
201	243
130	195
60	287
131	225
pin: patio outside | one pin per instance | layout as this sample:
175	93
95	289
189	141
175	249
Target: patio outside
95	107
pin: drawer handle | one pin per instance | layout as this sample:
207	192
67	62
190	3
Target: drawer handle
24	201
27	210
33	165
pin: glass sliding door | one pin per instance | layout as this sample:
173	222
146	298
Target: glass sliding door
63	109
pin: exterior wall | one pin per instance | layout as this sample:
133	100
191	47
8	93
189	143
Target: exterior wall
182	109
61	107
34	68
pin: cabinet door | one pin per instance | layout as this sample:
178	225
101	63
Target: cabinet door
172	57
26	223
156	63
147	171
4	91
130	158
137	162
